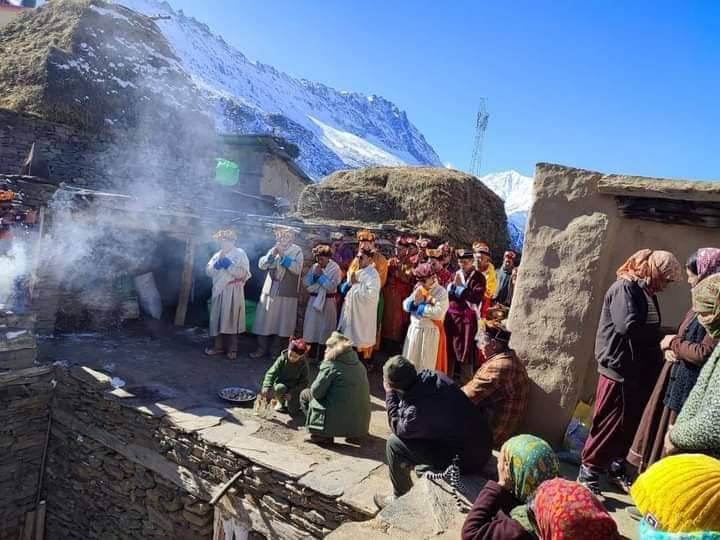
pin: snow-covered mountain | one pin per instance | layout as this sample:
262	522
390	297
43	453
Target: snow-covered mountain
516	190
333	129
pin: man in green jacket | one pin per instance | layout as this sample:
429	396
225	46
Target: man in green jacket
288	376
338	402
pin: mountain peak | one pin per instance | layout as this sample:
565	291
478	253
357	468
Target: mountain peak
333	129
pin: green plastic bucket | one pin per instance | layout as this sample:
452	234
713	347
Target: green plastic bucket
227	173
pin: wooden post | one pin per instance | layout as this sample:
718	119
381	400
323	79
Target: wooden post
185	283
40	521
37	252
28	529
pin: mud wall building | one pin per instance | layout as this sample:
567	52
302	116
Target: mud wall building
582	226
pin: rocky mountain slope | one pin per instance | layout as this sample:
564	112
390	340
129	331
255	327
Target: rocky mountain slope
333	129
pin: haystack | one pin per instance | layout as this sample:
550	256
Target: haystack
425	200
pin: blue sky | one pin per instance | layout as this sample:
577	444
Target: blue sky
626	87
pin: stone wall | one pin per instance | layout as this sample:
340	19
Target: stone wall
119	470
112	159
24	409
575	240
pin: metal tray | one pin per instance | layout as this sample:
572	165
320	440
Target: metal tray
237	394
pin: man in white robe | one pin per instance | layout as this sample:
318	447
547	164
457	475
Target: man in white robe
321	282
229	269
427	306
276	313
358	321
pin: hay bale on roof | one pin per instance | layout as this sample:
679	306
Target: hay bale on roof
426	200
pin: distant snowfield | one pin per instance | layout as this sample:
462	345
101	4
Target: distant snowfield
516	191
333	129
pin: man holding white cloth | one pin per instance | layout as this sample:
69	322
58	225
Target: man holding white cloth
321	282
358	321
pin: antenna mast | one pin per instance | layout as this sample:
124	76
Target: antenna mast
481	123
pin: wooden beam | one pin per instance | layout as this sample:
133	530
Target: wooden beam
674	212
679	190
185	283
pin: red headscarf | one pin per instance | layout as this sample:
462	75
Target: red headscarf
566	510
656	268
708	262
424	270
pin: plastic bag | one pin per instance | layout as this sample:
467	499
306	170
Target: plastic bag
577	432
227	173
148	294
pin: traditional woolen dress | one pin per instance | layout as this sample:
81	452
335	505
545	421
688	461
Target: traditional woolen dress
692	348
697	428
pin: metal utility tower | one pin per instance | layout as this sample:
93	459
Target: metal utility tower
481	123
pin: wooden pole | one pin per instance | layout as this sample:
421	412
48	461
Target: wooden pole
36	252
40	521
28	529
185	283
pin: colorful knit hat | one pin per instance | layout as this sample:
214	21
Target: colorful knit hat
464	253
298	345
680	493
365	236
405	240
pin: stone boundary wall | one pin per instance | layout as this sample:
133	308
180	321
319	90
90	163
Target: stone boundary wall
120	470
24	410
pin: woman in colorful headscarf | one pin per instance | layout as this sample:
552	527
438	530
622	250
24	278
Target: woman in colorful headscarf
564	510
685	354
627	349
499	511
697	428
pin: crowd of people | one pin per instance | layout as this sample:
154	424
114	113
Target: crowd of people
458	390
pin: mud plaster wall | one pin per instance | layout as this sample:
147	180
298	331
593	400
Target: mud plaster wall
24	408
574	242
279	180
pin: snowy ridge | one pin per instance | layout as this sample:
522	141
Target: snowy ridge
516	190
333	129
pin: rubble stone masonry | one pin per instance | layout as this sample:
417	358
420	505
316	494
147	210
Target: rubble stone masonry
24	411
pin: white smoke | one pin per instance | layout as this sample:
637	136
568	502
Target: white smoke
13	265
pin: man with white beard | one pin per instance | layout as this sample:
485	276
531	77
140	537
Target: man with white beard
358	321
229	269
276	313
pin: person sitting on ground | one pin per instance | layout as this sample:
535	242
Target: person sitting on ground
501	384
565	510
287	377
432	422
499	511
337	404
697	428
678	498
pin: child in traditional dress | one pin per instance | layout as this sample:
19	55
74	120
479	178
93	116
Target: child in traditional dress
287	377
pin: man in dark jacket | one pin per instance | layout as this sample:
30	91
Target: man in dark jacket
432	421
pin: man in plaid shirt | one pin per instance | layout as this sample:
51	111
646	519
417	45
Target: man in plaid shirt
501	385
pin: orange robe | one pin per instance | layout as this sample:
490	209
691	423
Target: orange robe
399	286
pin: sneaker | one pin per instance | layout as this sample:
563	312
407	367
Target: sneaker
634	513
382	501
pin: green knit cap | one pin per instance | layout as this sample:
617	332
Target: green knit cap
399	372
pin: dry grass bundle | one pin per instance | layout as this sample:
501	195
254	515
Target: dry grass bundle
433	201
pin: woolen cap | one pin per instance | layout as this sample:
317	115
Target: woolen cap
680	494
399	372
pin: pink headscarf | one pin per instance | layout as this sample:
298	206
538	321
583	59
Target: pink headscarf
656	268
708	262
